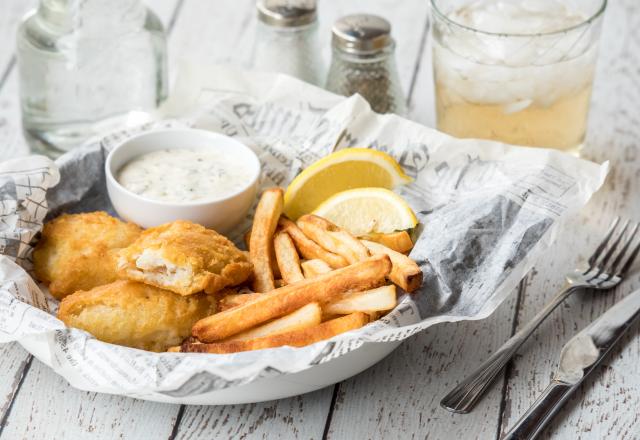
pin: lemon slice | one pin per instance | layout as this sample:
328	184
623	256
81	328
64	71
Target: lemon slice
363	211
342	170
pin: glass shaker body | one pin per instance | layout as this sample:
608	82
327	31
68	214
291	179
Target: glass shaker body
84	66
293	51
373	76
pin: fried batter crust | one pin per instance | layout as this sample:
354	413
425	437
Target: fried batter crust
185	258
136	315
79	251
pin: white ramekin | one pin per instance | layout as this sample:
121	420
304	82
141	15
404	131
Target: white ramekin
221	214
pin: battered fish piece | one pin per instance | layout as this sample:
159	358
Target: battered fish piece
79	251
135	314
185	258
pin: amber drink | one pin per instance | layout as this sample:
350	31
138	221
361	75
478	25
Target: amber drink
517	71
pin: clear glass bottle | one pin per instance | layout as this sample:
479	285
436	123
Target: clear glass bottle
363	62
287	40
84	65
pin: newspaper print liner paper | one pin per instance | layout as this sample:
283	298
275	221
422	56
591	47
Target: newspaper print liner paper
487	210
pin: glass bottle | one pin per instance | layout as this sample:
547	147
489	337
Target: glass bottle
85	66
287	40
363	62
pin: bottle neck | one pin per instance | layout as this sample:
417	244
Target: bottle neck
92	16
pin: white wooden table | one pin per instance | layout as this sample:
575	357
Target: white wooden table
398	398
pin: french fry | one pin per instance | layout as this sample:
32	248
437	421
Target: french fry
235	300
323	288
296	338
304	317
287	258
374	300
272	259
332	238
308	248
405	272
399	241
265	222
314	267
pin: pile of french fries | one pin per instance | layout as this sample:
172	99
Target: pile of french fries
312	281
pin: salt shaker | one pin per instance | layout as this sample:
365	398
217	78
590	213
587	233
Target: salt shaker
287	39
88	66
363	62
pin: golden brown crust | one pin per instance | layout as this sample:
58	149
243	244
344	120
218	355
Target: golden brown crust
135	314
185	258
323	288
296	338
79	251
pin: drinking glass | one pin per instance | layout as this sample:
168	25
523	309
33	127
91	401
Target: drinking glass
518	71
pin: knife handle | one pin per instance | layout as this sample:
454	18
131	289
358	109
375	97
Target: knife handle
541	412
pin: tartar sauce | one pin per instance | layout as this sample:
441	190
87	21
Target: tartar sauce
183	175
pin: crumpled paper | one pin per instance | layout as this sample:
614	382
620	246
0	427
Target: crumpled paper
488	212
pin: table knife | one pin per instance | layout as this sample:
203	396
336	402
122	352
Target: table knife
579	357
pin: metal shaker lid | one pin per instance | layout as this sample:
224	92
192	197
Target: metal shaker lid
361	33
287	13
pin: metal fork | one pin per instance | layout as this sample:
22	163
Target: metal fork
606	268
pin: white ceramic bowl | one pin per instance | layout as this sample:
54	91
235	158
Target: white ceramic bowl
221	214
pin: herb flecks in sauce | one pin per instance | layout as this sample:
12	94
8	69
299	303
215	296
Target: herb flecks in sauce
183	175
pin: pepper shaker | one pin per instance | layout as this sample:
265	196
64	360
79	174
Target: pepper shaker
363	62
287	39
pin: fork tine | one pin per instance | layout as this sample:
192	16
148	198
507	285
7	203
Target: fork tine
622	253
596	254
630	261
602	264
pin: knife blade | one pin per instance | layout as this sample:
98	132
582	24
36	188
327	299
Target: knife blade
586	350
578	358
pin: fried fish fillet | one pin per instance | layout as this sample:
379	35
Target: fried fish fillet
135	314
79	251
185	258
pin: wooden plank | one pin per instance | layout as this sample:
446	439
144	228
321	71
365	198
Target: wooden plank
212	32
399	398
10	132
13	362
12	12
165	9
11	139
48	408
300	417
422	99
606	405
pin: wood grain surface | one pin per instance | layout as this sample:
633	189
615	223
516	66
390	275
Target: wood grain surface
399	397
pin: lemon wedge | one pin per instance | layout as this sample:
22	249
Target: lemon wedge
363	211
345	169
